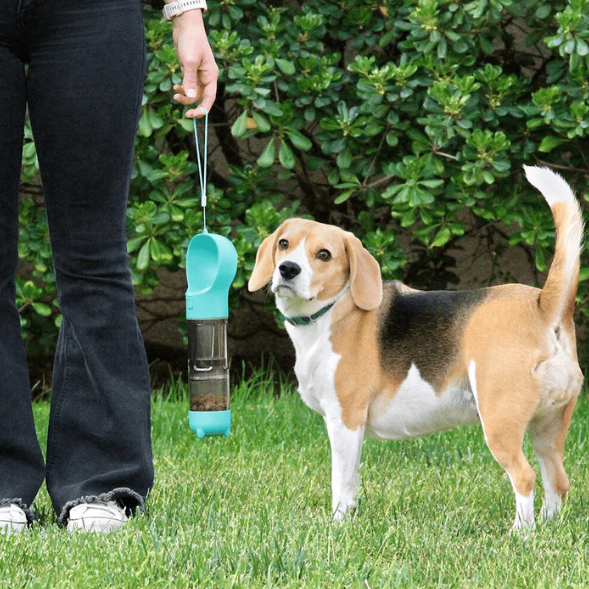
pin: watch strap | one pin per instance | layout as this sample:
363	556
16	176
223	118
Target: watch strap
180	6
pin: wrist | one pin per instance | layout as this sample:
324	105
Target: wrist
189	18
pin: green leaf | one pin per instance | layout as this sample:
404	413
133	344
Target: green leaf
166	85
540	259
239	128
286	156
285	175
488	177
134	243
570	45
143	257
286	66
186	124
267	157
159	251
42	309
574	62
145	128
432	183
582	47
160	218
334	178
30	290
392	140
29	150
442	49
298	139
261	121
156	121
550	142
344	159
272	109
442	237
343	197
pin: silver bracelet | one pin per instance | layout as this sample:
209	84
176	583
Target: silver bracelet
178	7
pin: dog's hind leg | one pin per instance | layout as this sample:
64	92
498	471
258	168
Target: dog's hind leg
504	426
346	450
505	441
548	434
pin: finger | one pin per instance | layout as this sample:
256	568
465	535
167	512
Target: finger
182	99
178	93
207	102
196	113
209	94
190	82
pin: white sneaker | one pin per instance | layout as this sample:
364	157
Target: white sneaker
13	519
98	516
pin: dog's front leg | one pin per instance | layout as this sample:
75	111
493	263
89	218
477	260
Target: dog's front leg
346	448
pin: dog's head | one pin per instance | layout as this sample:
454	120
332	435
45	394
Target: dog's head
310	264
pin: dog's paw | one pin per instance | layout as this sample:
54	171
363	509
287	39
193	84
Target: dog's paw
522	528
550	509
343	510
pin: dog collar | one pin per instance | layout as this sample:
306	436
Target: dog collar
310	319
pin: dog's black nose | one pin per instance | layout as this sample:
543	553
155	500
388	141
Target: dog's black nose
289	270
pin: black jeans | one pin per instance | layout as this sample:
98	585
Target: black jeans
83	87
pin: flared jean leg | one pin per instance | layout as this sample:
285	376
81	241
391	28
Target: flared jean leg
21	461
84	87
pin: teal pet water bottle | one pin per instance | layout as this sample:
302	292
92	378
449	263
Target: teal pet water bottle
211	264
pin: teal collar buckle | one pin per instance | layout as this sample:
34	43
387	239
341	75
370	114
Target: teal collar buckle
310	319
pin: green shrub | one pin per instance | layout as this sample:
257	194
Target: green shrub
406	122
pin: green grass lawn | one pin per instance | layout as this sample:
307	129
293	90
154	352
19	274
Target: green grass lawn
253	510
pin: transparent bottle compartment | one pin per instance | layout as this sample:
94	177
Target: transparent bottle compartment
208	372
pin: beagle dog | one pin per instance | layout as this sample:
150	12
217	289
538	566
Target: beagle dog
391	362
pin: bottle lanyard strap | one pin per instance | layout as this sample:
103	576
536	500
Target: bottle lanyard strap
202	166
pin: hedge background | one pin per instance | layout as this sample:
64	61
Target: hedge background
406	122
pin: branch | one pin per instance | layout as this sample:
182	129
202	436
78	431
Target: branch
558	167
222	127
381	181
375	156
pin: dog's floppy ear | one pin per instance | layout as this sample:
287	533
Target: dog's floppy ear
265	265
365	278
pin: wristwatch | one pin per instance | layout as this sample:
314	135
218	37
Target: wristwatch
178	7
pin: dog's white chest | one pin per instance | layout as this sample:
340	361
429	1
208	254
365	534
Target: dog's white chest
315	367
416	410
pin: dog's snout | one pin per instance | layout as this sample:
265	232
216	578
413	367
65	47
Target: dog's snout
289	270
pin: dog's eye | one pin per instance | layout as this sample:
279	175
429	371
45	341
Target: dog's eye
324	255
283	244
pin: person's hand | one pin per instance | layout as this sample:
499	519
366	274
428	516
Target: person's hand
197	61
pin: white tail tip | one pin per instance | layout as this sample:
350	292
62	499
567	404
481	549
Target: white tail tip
553	186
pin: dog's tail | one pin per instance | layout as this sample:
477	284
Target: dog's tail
557	300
